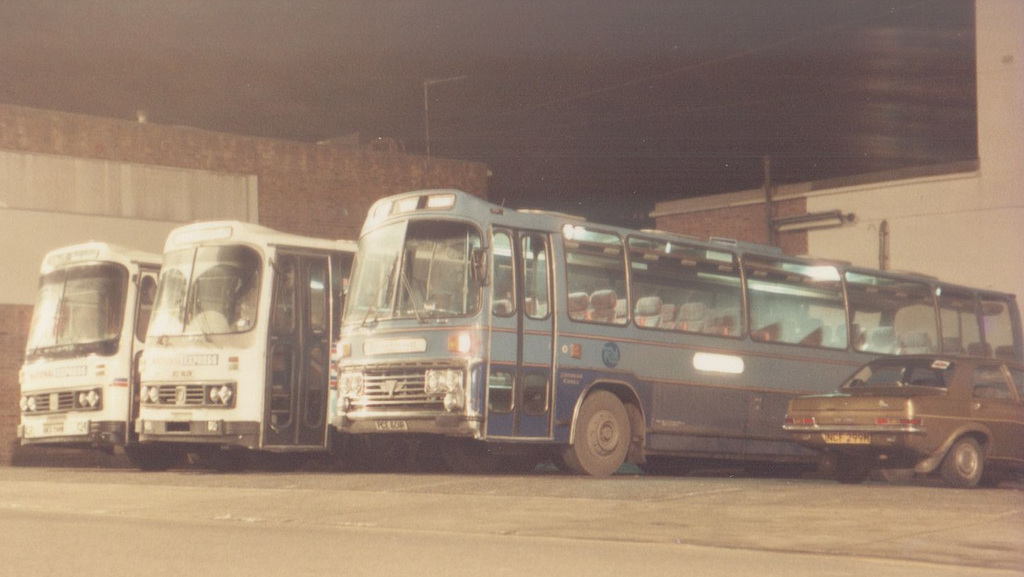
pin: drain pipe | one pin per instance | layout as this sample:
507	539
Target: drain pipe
883	245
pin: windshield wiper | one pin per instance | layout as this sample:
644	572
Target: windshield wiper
412	297
371	310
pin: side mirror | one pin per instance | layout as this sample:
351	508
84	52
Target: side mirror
479	266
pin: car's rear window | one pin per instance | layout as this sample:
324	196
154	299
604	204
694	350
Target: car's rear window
934	375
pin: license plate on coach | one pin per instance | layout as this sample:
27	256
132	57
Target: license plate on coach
847	438
392	426
53	428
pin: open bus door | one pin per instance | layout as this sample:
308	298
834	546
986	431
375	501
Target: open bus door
519	393
146	297
298	352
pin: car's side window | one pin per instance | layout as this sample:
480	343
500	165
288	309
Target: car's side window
990	383
1018	379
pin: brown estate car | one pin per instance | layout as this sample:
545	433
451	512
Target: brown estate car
960	416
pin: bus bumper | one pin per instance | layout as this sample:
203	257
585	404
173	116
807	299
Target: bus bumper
447	424
77	433
240	433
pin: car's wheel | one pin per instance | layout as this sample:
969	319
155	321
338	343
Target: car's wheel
601	436
851	470
963	464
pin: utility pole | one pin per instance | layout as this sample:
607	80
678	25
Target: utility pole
426	103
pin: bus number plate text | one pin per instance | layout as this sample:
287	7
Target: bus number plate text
392	426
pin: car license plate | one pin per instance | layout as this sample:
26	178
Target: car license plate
847	438
392	426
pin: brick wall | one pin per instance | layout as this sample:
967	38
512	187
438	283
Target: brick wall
310	189
745	222
14	321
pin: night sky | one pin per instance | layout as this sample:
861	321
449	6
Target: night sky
594	107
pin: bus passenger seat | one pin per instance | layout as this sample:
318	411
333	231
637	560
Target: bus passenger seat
621	311
828	338
881	340
768	333
691	316
724	322
578	303
916	343
668	316
979	350
502	307
602	306
648	311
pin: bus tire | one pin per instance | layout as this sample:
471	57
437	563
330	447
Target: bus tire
601	436
964	464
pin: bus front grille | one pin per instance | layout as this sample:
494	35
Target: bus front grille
187	395
397	388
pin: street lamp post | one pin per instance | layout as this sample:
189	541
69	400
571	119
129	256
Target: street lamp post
426	103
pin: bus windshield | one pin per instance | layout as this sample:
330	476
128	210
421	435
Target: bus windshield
207	290
419	269
78	311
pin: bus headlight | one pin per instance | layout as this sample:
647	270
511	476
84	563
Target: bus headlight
221	394
150	394
89	399
437	382
23	403
454	401
350	384
447	382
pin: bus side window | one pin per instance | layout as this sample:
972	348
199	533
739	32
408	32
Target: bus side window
284	299
147	296
535	276
318	304
504	296
596	267
894	315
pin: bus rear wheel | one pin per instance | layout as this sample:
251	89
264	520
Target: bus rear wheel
600	438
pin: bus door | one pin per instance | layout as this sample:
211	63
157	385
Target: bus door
298	352
519	395
145	298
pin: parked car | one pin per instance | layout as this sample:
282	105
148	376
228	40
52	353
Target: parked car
961	417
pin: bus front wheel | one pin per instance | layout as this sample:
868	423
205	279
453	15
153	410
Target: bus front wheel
601	436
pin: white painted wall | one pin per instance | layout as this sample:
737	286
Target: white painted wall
966	228
49	201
